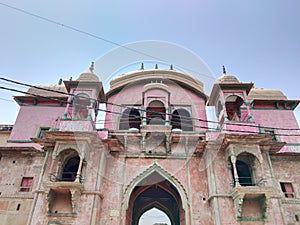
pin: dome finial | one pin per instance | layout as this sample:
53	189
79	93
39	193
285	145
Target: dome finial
171	67
156	66
142	66
92	67
224	70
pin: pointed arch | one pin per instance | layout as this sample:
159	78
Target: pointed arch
166	185
165	174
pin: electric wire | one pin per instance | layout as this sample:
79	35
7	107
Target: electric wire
113	112
97	37
149	111
20	83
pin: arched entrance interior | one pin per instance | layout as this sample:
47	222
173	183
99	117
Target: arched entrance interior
155	191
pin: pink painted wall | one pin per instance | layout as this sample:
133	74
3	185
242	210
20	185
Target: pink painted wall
31	118
278	119
133	95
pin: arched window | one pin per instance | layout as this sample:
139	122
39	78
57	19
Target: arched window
233	104
244	166
81	105
156	113
130	119
69	169
181	119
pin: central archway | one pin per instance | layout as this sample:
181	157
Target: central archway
155	191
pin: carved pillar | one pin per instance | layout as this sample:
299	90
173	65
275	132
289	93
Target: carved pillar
168	143
238	204
167	116
235	173
78	174
143	142
75	195
49	198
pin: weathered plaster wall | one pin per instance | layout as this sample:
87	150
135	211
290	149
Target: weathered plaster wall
14	168
3	138
286	169
122	172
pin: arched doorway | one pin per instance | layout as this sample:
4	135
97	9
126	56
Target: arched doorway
156	113
131	118
181	119
154	191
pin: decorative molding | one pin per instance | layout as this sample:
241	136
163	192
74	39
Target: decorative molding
292	201
81	147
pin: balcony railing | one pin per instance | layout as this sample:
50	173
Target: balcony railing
248	181
65	177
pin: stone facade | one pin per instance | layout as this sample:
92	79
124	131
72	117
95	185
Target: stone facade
159	148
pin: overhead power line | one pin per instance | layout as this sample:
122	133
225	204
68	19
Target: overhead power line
141	117
143	110
97	37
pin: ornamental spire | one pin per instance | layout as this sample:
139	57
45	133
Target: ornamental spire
92	67
224	70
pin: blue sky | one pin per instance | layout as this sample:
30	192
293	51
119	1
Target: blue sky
258	41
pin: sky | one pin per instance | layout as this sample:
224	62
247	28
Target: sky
258	41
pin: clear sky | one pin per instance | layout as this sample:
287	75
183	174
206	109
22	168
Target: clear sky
257	40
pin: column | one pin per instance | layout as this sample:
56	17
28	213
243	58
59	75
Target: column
235	174
79	170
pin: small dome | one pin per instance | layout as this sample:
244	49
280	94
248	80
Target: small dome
226	78
53	91
266	94
89	76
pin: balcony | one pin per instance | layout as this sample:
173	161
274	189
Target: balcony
67	185
254	195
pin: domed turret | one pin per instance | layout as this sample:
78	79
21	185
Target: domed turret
226	78
89	76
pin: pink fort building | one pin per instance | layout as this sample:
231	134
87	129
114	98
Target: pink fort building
77	155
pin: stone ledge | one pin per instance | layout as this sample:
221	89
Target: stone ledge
23	196
290	201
